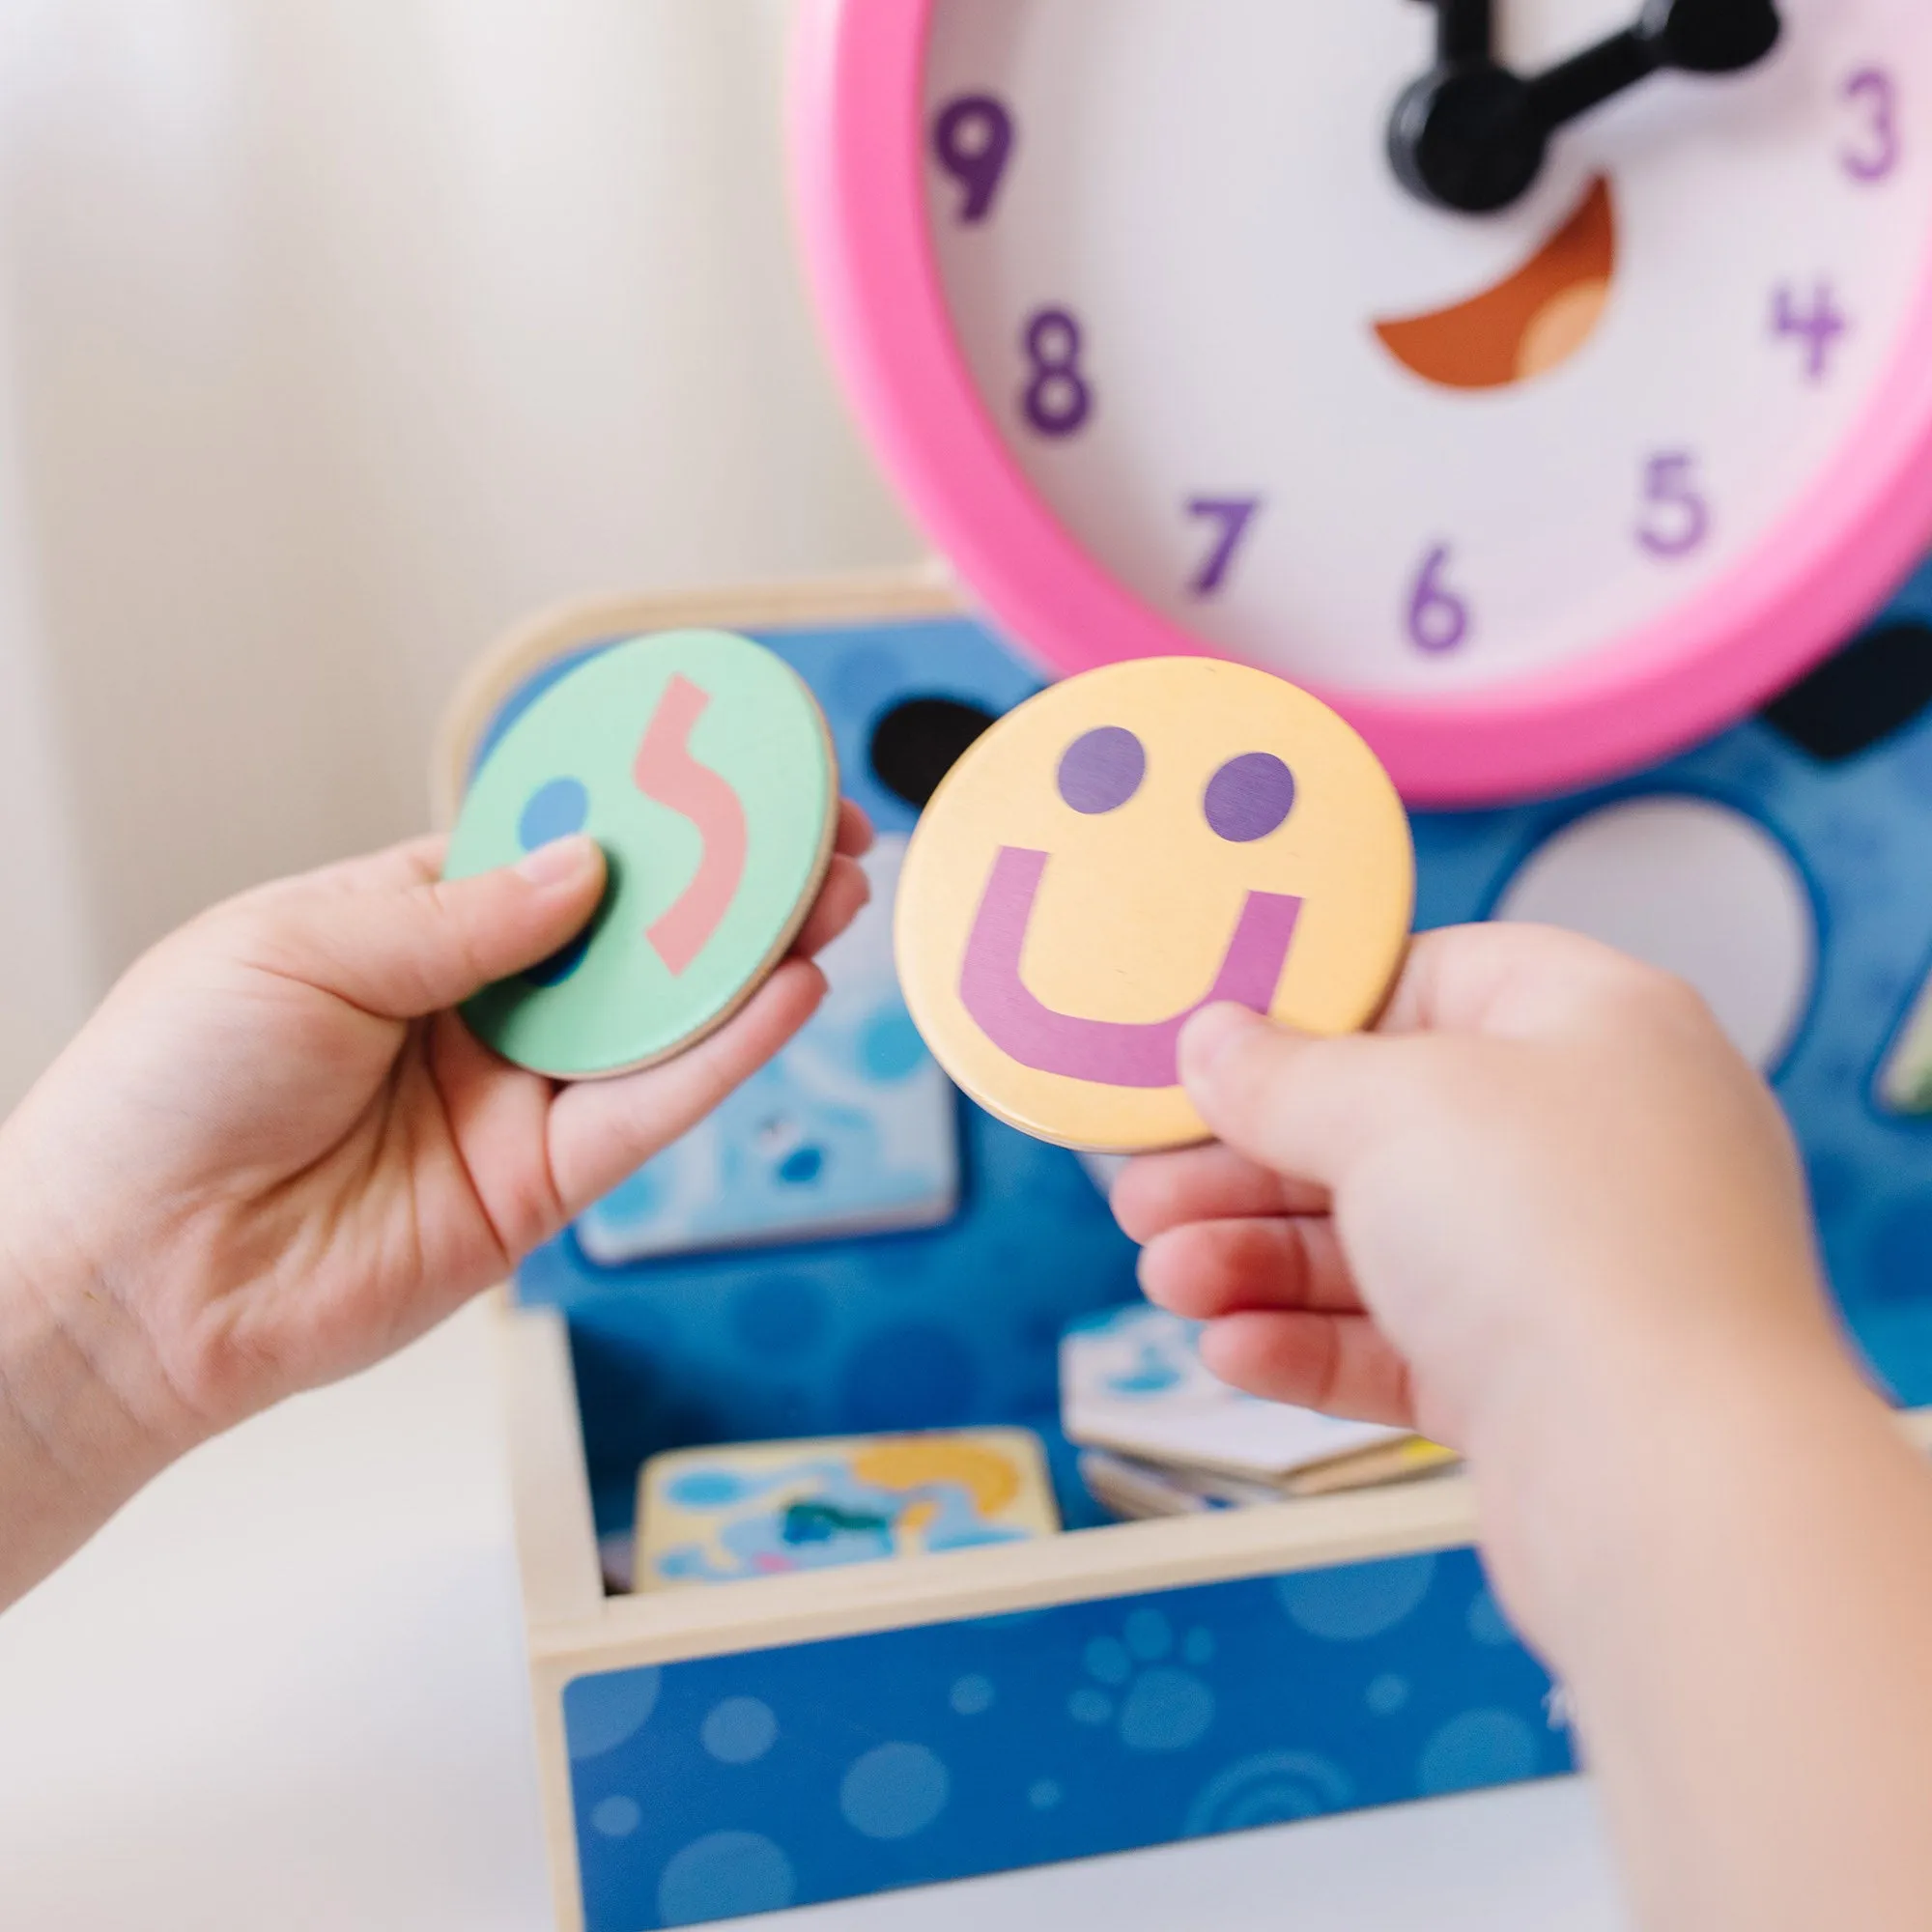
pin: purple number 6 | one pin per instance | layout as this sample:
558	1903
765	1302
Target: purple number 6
1874	89
1439	619
972	139
1233	515
1670	487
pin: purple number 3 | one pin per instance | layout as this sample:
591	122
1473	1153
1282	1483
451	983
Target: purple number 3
1874	89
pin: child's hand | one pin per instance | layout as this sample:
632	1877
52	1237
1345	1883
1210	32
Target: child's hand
1549	1215
274	1155
1545	1191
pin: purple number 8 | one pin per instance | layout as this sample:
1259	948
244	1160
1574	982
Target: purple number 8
1439	619
1057	400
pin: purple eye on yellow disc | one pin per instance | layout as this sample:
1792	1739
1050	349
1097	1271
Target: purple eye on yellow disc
1101	769
1248	797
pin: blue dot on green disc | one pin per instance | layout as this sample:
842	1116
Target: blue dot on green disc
554	810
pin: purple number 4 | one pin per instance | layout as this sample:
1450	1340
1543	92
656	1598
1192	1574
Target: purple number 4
1233	516
1818	327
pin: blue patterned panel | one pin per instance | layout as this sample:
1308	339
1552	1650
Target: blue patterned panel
1857	824
948	1327
748	1783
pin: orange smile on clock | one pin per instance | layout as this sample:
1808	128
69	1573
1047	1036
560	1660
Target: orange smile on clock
1527	325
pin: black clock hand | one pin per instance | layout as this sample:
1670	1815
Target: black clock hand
1693	36
1471	135
1463	31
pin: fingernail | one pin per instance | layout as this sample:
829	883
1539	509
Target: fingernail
562	862
1213	1035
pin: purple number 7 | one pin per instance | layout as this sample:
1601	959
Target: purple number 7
1233	516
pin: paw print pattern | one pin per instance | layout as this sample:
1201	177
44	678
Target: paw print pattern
1139	1686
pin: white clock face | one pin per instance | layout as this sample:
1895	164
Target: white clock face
1383	446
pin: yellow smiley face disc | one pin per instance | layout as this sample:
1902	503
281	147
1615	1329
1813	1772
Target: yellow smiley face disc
1128	847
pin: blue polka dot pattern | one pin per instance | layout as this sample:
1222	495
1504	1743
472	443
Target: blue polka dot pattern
1091	1727
616	1818
603	1712
1358	1601
725	1875
1386	1693
894	1791
1477	1748
1487	1623
972	1697
739	1730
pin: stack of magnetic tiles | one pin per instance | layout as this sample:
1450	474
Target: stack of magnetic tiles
706	768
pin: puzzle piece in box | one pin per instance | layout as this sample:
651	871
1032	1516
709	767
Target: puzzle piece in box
1905	1081
1132	1381
851	1130
768	1509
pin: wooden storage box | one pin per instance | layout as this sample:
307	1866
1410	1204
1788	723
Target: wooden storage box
713	1751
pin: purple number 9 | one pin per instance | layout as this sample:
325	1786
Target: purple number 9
1873	89
1439	619
973	140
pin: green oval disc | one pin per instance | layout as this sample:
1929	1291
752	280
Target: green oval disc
701	764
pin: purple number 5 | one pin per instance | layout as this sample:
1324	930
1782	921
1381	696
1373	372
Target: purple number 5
1679	518
1232	515
1874	90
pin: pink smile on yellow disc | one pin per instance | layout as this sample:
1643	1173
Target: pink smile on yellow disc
1125	849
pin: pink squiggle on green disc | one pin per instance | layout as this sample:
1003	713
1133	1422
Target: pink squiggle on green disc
710	785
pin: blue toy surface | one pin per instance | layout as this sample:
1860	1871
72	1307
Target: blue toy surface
927	1329
731	1784
850	1130
747	1783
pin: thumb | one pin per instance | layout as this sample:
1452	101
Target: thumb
1300	1104
410	950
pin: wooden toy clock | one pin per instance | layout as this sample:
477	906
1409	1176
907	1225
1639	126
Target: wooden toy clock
1542	382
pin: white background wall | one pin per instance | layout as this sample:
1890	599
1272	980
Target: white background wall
334	336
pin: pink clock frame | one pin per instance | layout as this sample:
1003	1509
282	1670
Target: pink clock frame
859	161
